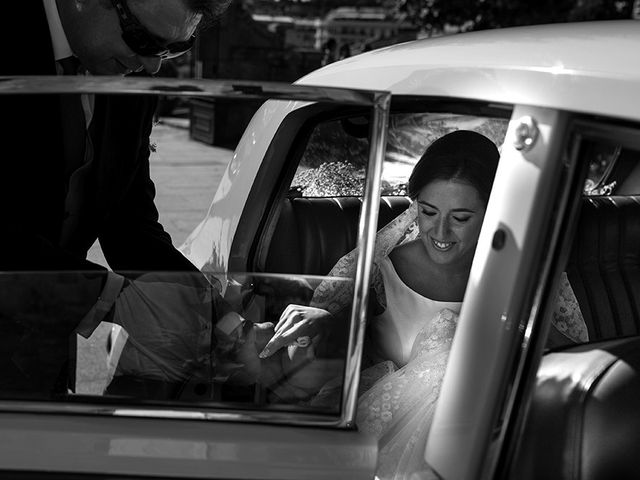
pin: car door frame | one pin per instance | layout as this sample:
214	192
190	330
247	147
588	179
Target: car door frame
83	437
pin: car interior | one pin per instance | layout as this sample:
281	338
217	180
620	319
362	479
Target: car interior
583	415
313	222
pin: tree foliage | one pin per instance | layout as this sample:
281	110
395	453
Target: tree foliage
436	16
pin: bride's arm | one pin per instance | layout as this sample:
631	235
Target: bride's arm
307	322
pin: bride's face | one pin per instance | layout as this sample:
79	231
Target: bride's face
450	215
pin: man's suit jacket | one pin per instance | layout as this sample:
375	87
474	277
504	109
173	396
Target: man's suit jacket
118	207
121	193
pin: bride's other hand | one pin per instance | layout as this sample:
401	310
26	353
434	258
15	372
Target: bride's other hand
298	324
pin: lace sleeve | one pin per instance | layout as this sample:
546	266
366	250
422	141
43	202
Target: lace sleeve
567	317
377	282
336	291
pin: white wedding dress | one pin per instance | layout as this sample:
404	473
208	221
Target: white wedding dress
407	313
414	334
412	338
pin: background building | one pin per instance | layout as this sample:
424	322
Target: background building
272	46
362	28
238	47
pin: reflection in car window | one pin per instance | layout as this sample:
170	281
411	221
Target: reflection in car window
181	340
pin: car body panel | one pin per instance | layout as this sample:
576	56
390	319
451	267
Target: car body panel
563	66
189	448
197	440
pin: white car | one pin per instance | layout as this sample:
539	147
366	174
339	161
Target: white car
323	165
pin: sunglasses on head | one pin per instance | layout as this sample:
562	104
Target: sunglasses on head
141	41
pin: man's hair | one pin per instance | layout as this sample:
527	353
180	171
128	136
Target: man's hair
209	9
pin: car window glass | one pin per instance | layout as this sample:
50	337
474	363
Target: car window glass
179	341
191	334
334	159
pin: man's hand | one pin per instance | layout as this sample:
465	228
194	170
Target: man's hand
169	323
297	324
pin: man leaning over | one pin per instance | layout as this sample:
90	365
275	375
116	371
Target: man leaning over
76	177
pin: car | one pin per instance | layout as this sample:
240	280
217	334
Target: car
321	167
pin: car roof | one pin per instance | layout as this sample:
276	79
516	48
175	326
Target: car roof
589	67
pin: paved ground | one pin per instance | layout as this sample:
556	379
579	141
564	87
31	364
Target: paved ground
186	174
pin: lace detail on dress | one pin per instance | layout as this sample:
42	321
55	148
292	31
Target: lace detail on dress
334	293
398	409
567	316
377	283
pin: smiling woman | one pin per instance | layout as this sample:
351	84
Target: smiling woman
450	185
421	270
420	274
451	213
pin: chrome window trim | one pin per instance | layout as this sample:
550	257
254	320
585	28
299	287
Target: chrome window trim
185	88
378	101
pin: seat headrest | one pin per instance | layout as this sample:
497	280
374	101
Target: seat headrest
604	265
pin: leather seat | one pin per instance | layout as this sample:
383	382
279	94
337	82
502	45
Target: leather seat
604	265
584	420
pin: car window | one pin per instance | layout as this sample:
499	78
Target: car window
603	260
188	331
335	157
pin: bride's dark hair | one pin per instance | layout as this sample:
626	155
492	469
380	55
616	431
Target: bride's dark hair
462	155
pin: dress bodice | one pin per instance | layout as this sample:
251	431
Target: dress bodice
394	331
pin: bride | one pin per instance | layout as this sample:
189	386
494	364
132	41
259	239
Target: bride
422	264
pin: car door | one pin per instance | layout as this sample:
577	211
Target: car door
147	418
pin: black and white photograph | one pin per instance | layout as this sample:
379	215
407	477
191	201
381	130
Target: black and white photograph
320	239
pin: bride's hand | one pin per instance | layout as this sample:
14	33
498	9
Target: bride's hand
297	324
